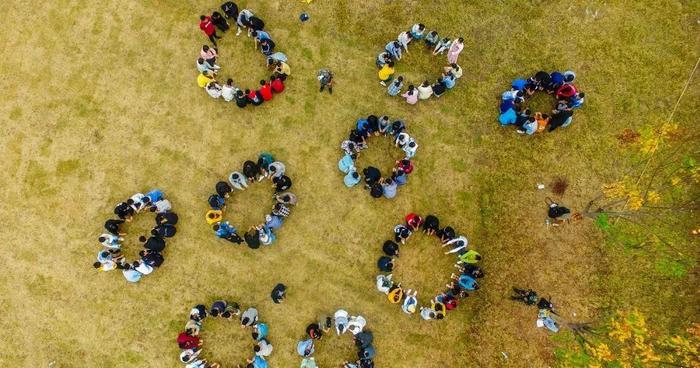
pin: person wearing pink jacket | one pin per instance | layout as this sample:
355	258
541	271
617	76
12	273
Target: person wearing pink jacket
411	95
455	50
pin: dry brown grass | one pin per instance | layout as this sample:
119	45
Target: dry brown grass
100	101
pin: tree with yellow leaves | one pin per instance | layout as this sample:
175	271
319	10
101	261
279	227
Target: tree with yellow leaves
626	341
660	191
659	194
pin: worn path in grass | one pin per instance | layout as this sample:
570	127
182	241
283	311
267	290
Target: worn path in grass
100	101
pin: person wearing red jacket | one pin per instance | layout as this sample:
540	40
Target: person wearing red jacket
405	165
265	90
208	28
277	84
413	221
254	97
566	91
185	340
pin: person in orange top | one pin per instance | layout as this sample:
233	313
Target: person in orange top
265	90
277	84
542	121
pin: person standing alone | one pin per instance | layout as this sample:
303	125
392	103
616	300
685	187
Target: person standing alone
325	79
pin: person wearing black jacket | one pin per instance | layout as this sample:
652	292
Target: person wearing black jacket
372	175
267	46
154	243
252	238
230	9
278	293
431	225
390	248
112	226
254	23
223	189
439	87
241	99
358	138
250	170
169	218
375	190
385	264
151	258
282	183
164	231
363	339
559	118
219	21
124	211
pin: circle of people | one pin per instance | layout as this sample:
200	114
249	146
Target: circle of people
514	110
208	69
394	50
190	341
357	141
461	283
343	322
151	257
263	233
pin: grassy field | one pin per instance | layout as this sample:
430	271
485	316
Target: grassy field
99	100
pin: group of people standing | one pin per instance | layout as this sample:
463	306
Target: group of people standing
343	323
208	68
377	185
190	342
514	110
263	233
395	50
151	257
461	283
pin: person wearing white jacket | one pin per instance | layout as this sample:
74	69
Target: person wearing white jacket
341	321
425	90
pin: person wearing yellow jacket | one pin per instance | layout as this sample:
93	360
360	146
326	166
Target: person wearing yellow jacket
386	73
214	216
395	295
203	79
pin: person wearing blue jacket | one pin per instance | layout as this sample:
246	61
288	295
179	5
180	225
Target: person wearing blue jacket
394	49
347	163
352	178
260	331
